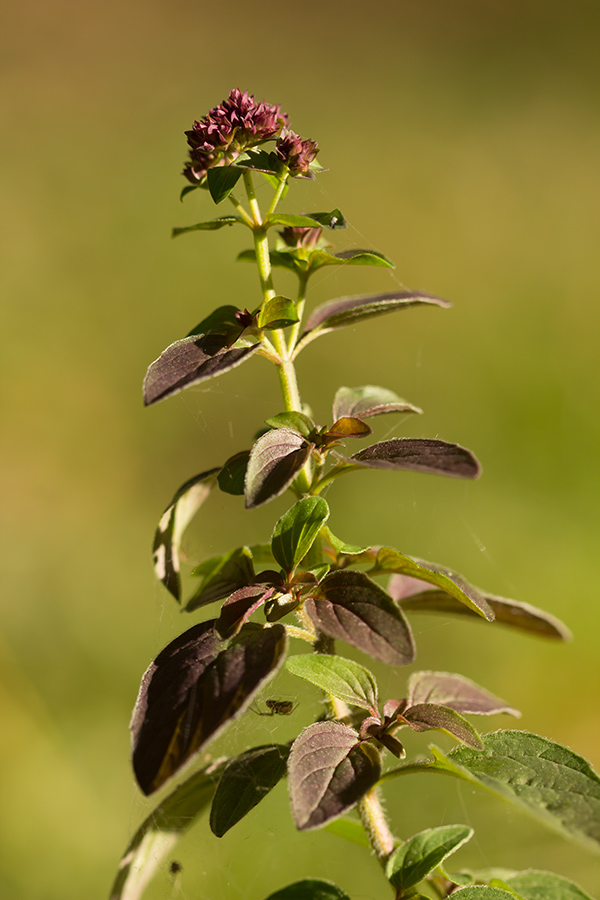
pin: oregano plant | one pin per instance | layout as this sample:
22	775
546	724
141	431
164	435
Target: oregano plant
305	595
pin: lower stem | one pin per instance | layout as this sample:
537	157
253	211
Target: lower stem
374	821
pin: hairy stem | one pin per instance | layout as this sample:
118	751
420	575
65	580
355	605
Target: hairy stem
374	821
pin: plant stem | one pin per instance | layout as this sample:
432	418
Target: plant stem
247	219
278	194
374	821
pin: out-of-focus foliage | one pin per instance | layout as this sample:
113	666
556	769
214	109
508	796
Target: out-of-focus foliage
465	138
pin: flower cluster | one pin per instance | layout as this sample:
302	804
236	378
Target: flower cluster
230	128
296	153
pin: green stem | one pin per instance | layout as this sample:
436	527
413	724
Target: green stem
240	209
374	821
300	301
278	194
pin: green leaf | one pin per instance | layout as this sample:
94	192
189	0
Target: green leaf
421	854
548	780
246	780
175	519
340	546
340	677
159	832
296	531
293	221
222	575
534	885
278	312
310	889
297	421
350	830
212	225
220	321
188	190
319	258
232	475
222	180
260	161
333	220
481	892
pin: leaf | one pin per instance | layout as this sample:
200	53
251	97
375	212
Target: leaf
239	606
159	832
221	181
349	829
389	560
222	576
297	421
349	427
332	220
296	531
220	321
212	225
246	780
548	780
507	612
356	257
456	692
419	455
534	885
369	400
310	889
260	161
187	190
192	690
481	892
424	716
275	460
342	678
278	312
350	310
329	770
190	361
175	519
421	854
351	607
341	547
232	475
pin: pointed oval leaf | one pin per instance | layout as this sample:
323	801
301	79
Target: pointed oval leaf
296	531
310	889
423	853
333	220
246	781
192	690
514	613
175	519
222	575
340	547
350	310
212	225
329	770
351	607
232	475
239	606
220	321
424	716
349	426
278	312
297	421
357	257
389	560
457	692
295	221
275	460
420	455
342	678
369	400
191	361
548	780
482	892
159	832
535	885
187	190
222	180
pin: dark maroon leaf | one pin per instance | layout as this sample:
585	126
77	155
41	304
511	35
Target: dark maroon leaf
246	781
192	689
310	889
232	475
351	607
425	716
369	400
410	594
455	692
350	310
329	770
222	576
239	607
275	460
175	519
419	455
190	361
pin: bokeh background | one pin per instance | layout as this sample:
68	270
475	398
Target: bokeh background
463	141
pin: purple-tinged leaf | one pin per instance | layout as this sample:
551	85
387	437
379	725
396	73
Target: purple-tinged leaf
419	455
311	889
456	692
221	320
329	770
239	606
246	781
389	560
349	606
232	475
424	716
514	613
212	225
190	361
175	519
350	310
192	690
222	576
369	400
275	460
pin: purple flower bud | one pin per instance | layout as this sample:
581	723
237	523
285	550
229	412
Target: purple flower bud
301	237
296	153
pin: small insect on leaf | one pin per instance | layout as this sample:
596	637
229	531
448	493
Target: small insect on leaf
277	708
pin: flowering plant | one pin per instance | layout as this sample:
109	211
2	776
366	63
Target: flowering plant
308	587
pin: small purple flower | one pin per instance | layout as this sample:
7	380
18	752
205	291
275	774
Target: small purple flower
301	237
296	153
228	130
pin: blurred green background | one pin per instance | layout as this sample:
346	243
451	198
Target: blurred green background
463	141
